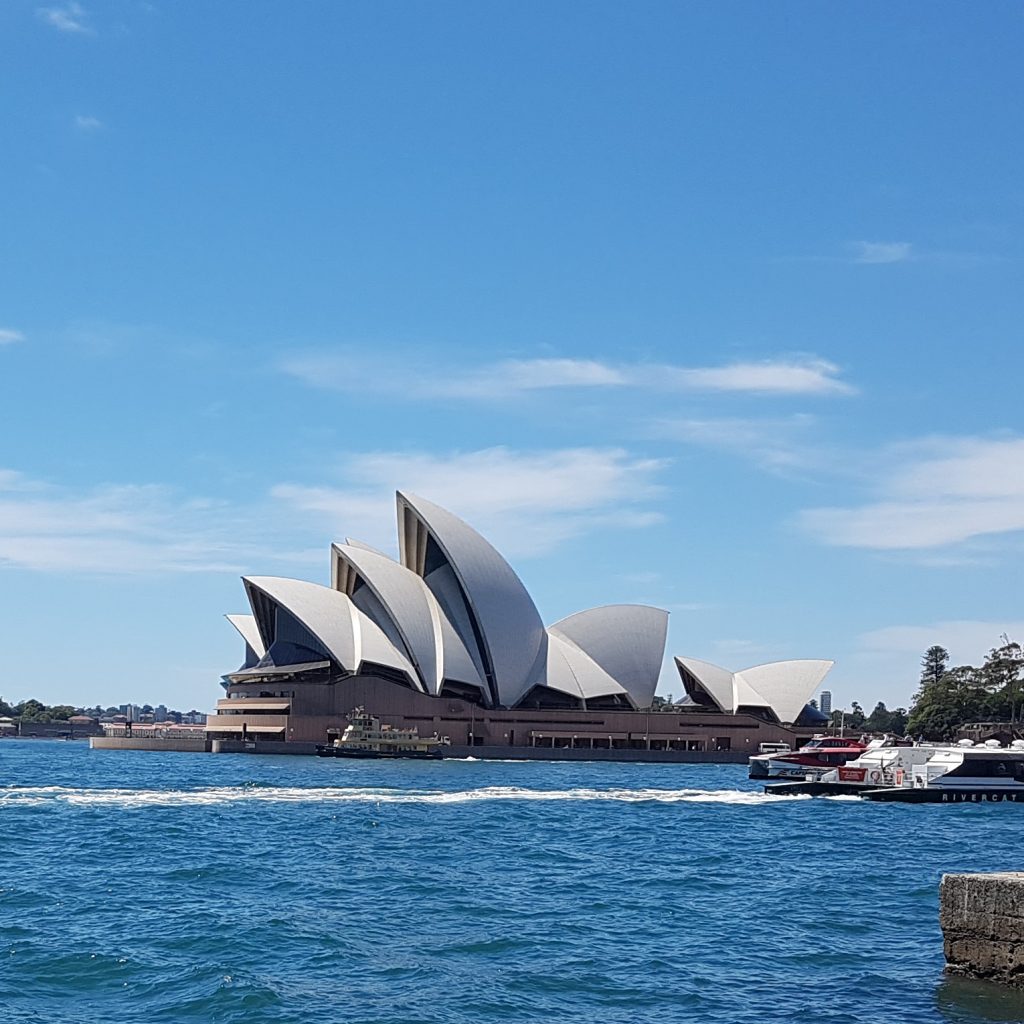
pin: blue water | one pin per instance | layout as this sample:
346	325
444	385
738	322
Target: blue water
186	887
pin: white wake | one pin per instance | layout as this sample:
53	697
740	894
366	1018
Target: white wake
221	795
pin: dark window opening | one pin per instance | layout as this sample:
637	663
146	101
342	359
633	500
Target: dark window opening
392	675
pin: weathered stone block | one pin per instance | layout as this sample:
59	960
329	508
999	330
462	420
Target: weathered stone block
982	919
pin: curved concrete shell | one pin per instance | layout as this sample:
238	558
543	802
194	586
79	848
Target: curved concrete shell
703	681
405	609
626	640
572	671
353	543
483	598
781	687
787	685
346	634
246	626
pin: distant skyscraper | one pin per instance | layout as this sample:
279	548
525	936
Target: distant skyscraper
825	702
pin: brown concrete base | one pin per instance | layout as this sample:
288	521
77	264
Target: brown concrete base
486	753
148	743
501	753
982	919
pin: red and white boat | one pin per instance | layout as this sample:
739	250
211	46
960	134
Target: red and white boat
822	754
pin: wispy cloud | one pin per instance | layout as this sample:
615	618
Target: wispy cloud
936	493
118	529
526	503
775	443
967	640
892	654
352	371
85	123
807	376
68	17
882	252
9	336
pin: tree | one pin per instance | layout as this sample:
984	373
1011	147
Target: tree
1001	675
856	718
934	664
898	722
879	720
942	706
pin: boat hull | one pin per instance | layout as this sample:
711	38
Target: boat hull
813	788
898	794
943	795
388	755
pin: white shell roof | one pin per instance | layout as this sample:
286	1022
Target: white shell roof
715	681
513	637
246	626
351	637
571	670
785	687
353	543
626	640
431	642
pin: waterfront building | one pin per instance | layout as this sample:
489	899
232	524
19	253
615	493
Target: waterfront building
448	639
825	702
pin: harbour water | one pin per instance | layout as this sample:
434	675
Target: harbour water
198	888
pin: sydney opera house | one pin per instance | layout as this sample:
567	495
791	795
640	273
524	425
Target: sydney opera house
447	639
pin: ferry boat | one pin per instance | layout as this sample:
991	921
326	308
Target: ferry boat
366	737
819	755
925	773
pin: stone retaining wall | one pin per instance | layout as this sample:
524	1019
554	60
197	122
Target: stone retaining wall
982	918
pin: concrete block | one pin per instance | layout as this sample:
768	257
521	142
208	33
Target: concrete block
982	919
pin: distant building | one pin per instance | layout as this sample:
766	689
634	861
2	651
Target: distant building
825	702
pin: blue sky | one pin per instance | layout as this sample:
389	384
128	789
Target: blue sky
711	306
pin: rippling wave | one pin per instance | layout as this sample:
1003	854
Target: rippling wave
214	889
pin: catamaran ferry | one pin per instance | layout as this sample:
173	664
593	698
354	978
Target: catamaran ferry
924	773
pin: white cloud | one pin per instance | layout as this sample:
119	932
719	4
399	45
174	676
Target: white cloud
891	656
777	444
85	123
9	337
882	252
779	377
941	492
967	640
524	503
114	529
68	17
512	378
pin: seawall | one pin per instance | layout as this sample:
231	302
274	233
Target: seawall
196	746
484	753
982	919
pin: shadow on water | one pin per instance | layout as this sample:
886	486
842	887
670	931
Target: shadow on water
963	1000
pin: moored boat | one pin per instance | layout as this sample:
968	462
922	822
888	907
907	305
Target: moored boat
366	736
925	773
819	755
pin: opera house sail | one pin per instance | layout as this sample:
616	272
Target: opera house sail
448	637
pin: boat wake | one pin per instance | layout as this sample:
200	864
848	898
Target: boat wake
221	795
